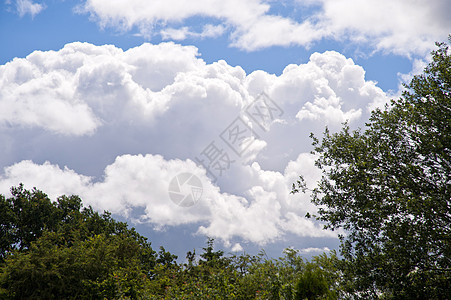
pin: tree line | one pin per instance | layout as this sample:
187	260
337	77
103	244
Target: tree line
62	250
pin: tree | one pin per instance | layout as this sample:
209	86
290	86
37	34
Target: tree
312	284
210	257
100	267
290	277
389	188
26	215
60	250
65	251
23	218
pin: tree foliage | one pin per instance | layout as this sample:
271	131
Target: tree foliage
389	188
28	214
60	250
97	268
247	277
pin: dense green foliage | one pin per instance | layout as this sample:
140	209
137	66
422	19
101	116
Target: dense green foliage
389	188
57	250
28	214
60	250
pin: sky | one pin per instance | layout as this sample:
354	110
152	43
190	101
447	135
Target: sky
191	119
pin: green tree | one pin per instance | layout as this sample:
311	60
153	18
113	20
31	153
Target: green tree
389	188
312	284
211	257
100	267
290	277
62	250
26	215
320	279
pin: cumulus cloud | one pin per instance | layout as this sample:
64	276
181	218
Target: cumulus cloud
335	87
82	87
56	181
89	107
142	181
403	27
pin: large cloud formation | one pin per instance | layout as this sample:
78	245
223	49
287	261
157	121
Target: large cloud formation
82	87
116	126
401	27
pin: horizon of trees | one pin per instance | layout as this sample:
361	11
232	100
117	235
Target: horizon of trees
62	250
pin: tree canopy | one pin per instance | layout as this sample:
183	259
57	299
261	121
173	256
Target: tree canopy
389	188
62	250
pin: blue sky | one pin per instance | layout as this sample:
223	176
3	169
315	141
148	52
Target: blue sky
59	24
115	124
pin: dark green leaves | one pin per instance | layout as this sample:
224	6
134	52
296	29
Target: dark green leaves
389	187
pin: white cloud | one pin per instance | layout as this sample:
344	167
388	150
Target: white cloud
82	87
28	7
177	34
104	103
401	27
141	182
56	181
314	250
130	182
237	248
334	87
211	31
